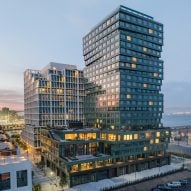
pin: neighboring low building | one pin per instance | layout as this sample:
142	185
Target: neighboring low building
15	174
6	149
91	154
15	170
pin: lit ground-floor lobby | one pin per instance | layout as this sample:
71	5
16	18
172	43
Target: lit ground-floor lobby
108	171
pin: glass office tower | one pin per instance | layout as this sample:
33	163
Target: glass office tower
124	72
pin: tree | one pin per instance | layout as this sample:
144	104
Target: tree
63	180
40	164
37	187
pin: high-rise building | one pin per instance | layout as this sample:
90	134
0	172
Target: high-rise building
53	96
124	72
123	104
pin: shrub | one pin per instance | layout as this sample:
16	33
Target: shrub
63	180
37	187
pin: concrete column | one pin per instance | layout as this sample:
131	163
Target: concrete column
29	178
13	179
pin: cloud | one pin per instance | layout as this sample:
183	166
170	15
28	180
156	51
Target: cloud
12	99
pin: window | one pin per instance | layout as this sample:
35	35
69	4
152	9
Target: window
158	134
128	96
145	149
134	59
99	164
5	181
150	31
74	168
151	141
22	178
86	166
135	136
156	141
91	135
147	134
155	74
133	65
126	137
129	38
150	103
144	49
59	91
112	126
111	137
108	22
145	85
87	136
70	136
103	136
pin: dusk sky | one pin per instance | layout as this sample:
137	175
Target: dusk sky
34	33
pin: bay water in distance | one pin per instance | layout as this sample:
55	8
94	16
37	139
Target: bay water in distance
173	120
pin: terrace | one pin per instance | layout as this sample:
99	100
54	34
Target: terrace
82	158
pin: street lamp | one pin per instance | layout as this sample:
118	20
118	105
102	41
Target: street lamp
135	175
183	155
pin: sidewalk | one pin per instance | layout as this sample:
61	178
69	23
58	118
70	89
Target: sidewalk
96	186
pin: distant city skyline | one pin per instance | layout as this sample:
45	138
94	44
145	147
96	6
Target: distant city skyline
35	33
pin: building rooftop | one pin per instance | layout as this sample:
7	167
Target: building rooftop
134	12
57	134
127	10
58	66
12	159
85	157
3	137
52	66
6	146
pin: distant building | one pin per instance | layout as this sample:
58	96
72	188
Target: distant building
53	97
9	118
189	138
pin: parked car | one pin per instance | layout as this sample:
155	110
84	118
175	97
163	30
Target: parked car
164	187
174	184
183	181
177	183
155	189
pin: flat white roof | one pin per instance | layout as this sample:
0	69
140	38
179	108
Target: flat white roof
14	159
